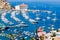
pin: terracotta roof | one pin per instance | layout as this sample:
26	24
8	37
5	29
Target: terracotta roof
40	29
23	5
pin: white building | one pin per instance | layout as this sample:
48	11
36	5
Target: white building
58	33
17	7
23	7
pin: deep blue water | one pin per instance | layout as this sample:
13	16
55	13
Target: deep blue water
43	6
55	8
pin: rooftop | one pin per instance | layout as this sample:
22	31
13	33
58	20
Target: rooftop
23	4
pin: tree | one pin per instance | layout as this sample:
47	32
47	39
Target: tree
31	38
23	38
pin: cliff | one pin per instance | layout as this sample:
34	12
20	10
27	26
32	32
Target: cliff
5	5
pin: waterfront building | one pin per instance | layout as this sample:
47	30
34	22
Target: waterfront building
17	7
23	7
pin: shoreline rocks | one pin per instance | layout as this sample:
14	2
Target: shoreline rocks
5	5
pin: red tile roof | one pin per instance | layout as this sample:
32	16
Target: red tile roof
23	5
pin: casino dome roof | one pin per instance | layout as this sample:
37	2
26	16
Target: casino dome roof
23	4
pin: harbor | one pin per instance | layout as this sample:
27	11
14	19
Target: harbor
29	21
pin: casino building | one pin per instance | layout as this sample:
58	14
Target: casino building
23	7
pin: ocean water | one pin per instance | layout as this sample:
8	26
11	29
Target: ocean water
55	8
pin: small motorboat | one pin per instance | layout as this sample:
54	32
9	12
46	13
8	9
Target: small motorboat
33	21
